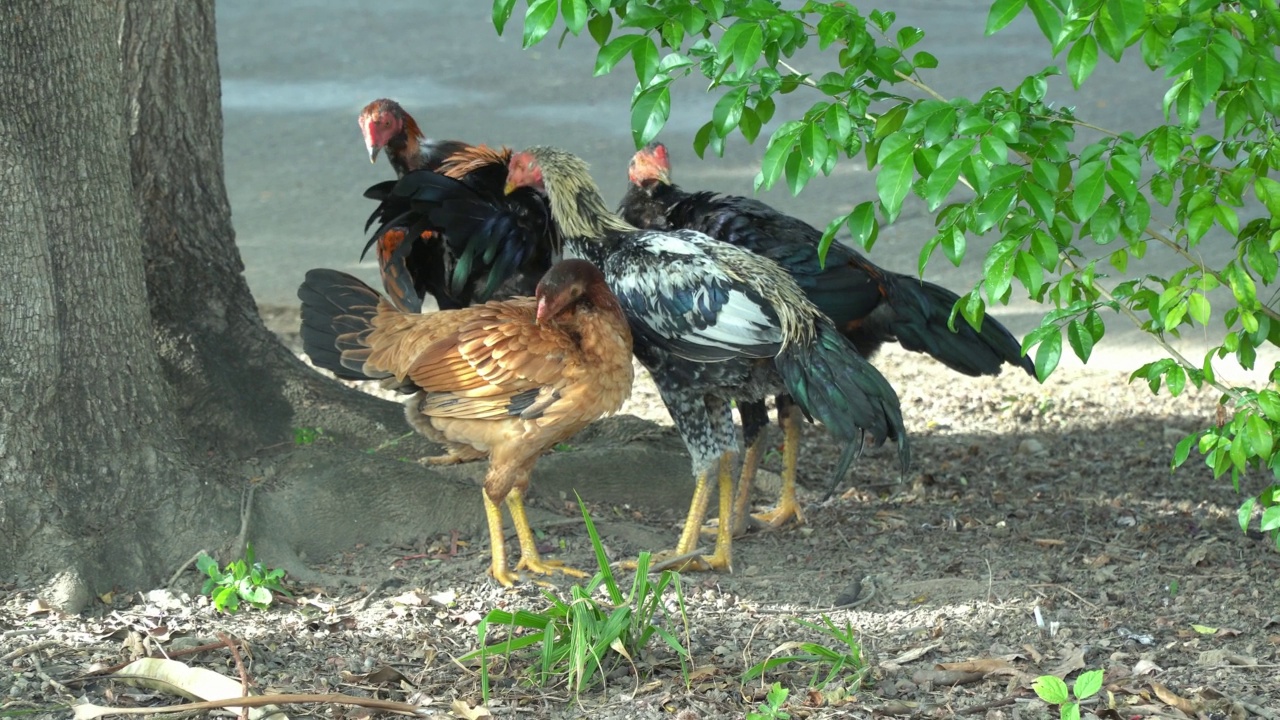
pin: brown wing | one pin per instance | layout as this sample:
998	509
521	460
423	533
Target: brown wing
499	364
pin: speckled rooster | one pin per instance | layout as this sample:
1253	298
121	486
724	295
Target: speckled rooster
869	304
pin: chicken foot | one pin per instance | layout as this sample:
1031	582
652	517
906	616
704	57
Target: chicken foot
685	557
788	507
530	559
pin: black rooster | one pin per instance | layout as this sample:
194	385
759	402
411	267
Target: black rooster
414	257
870	305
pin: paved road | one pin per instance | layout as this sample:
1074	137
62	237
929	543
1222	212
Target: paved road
296	72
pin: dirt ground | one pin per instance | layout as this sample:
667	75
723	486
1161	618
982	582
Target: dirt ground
1040	532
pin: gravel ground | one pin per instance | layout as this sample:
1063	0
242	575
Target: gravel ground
1042	532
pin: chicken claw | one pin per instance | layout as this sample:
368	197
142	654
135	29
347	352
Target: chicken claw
547	567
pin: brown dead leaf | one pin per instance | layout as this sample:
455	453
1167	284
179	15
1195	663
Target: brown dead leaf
1172	699
1146	667
1035	655
38	607
1099	561
703	672
909	656
945	678
981	665
413	598
1225	657
816	698
466	712
1049	542
384	675
1069	664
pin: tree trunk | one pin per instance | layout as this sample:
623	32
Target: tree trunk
135	374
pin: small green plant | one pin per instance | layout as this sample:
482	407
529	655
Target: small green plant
389	443
1054	691
834	661
575	636
562	447
304	436
772	707
243	579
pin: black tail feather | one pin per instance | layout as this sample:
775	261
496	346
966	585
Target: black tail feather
835	385
337	309
922	312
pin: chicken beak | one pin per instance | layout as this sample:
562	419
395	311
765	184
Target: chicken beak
544	312
373	150
507	190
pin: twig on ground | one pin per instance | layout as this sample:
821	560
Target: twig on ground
975	709
24	631
27	650
282	699
93	675
40	673
1069	591
864	599
183	568
244	676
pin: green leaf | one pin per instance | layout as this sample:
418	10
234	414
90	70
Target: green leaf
995	150
749	124
600	26
1081	60
894	181
1128	16
1268	191
1198	308
649	113
645	55
1245	513
947	172
1048	18
1002	13
538	20
1270	519
1090	185
748	44
1087	684
775	158
575	14
837	123
997	269
1027	269
1183	450
1081	340
728	110
1048	353
1259	433
1269	402
953	245
615	50
502	13
862	222
1050	689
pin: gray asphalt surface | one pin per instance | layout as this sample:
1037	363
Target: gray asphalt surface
295	74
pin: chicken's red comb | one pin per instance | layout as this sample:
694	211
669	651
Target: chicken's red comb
658	152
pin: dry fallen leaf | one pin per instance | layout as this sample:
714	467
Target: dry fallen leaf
909	656
1146	667
384	675
982	665
466	712
37	607
1069	664
1172	699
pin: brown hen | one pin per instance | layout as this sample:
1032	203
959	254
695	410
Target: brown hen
506	379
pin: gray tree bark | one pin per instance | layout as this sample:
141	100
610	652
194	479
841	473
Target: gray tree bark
136	377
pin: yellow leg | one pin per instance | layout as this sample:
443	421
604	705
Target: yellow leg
529	558
684	558
723	557
497	547
742	501
787	507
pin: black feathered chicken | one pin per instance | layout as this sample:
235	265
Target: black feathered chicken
870	305
415	259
